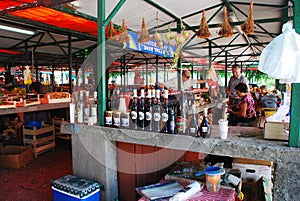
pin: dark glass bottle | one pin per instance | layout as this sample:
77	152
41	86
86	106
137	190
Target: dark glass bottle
204	128
165	113
157	113
193	126
142	111
171	121
108	112
134	110
149	112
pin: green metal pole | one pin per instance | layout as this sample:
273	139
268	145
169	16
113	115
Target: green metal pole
101	62
294	140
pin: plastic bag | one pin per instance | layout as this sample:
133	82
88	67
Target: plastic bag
212	77
279	59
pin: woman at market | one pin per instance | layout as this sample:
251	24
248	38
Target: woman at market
245	110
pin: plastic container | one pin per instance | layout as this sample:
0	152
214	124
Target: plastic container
36	124
73	188
213	178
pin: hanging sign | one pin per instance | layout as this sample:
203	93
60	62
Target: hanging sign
149	47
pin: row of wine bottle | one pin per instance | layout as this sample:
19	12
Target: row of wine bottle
147	112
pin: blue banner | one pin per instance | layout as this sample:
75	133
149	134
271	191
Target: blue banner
149	47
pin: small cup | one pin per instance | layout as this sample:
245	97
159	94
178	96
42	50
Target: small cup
223	128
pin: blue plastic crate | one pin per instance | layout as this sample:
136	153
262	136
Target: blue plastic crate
73	188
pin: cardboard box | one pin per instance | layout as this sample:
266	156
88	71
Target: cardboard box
262	190
15	156
253	170
276	131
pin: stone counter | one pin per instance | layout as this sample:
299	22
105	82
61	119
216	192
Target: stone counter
93	148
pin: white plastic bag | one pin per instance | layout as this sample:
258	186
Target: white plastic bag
212	77
279	59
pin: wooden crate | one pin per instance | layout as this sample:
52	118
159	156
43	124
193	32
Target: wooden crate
275	131
58	134
41	139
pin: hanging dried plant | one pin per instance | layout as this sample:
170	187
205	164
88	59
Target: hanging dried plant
226	28
123	37
203	31
144	36
110	32
248	25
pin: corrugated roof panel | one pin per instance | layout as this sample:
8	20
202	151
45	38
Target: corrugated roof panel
57	18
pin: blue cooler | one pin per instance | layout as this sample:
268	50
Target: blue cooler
72	188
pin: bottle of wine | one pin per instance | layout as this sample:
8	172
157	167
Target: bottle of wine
157	113
80	106
142	111
86	109
134	111
149	112
204	128
171	121
193	126
165	113
108	112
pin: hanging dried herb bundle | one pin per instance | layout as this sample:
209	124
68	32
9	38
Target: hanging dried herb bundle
203	31
248	25
110	32
226	28
123	37
144	36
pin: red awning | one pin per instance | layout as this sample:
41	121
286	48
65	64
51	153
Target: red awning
59	19
10	52
5	4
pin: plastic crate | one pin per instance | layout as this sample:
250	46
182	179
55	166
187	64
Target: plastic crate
73	188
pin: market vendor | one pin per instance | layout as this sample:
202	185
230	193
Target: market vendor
187	83
244	112
236	78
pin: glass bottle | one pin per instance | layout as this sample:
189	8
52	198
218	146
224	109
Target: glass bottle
108	112
142	111
171	122
134	110
157	113
80	106
86	109
204	128
193	126
165	113
149	112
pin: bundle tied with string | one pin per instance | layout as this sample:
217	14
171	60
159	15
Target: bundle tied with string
110	32
248	25
123	37
144	35
203	31
226	28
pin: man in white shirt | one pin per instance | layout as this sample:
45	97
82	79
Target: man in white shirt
187	83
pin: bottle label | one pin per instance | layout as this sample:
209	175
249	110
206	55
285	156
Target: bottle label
117	122
204	129
108	120
133	115
172	125
125	122
86	114
193	130
164	117
141	115
148	116
156	116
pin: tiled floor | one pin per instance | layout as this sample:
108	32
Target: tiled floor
32	183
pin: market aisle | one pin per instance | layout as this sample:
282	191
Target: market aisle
32	183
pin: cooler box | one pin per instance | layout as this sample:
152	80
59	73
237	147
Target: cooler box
72	188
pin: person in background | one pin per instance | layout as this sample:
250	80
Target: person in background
245	110
236	78
187	83
137	78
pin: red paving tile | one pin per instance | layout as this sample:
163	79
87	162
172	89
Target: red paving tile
32	183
